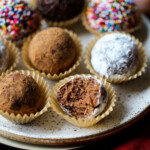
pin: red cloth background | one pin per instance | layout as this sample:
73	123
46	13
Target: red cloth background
136	137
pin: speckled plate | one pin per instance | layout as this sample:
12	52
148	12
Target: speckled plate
132	104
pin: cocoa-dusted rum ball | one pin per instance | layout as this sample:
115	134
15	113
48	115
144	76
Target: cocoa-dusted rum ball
52	51
20	94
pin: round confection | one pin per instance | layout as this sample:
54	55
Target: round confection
115	55
112	15
17	19
60	10
82	97
52	51
19	94
4	56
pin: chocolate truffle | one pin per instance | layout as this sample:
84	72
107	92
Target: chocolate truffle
115	55
4	55
18	20
82	97
19	94
52	51
60	10
112	15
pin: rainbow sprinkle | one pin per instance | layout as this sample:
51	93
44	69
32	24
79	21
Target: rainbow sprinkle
17	20
111	15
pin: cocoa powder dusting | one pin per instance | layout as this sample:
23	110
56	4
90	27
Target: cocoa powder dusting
19	94
52	51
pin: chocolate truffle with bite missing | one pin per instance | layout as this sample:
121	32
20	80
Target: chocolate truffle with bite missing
60	10
82	97
19	94
52	51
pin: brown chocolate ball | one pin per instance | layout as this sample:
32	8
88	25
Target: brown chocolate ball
60	10
19	94
52	51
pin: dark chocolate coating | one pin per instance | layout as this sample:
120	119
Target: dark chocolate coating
60	10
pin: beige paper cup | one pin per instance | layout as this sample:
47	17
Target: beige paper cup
87	26
86	122
55	76
32	4
45	91
13	55
142	60
64	23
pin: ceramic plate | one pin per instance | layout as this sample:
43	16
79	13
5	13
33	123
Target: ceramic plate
50	129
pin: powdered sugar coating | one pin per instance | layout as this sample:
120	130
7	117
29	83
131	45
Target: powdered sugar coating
115	55
3	57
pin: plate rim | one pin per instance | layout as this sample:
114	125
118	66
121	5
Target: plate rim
78	140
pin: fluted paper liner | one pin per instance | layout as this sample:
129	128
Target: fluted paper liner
55	23
32	4
141	53
44	88
83	122
13	57
28	64
89	28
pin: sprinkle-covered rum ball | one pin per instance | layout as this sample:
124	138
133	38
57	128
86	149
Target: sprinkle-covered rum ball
17	19
112	15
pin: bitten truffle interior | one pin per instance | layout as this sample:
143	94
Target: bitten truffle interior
82	97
